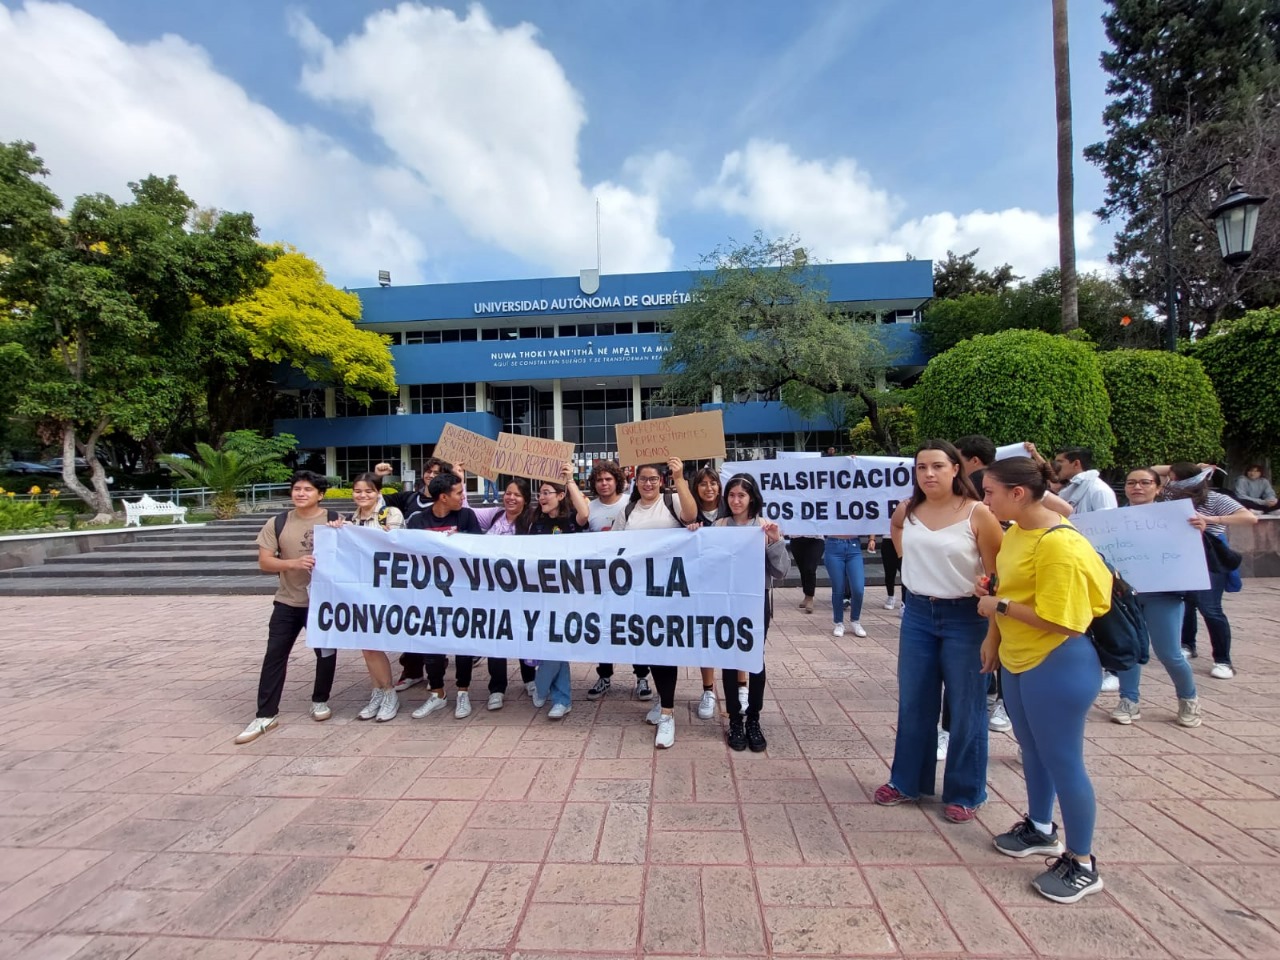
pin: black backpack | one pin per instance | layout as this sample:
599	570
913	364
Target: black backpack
1120	635
282	518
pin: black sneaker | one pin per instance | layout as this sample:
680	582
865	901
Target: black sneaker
643	690
1068	880
1024	840
600	689
755	736
737	736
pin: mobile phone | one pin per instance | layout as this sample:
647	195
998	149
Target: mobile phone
992	582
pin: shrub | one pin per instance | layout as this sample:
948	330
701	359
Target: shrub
899	422
1018	385
1242	359
1163	408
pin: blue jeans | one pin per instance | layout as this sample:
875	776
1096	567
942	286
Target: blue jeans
1209	603
1164	622
843	560
1048	705
940	642
553	679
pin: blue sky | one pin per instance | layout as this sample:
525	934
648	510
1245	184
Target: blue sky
468	142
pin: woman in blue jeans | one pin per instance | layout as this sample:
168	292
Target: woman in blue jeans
1164	623
947	540
842	556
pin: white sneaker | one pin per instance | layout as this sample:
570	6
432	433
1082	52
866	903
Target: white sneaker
944	741
256	728
404	683
495	701
707	705
434	702
654	714
890	603
666	734
531	689
838	630
999	721
743	697
1222	671
371	708
856	627
558	710
320	711
462	705
1110	683
390	706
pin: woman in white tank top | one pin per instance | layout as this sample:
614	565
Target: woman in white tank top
947	540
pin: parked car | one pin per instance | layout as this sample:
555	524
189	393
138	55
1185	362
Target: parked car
27	466
55	465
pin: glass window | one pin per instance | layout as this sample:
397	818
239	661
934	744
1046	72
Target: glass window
646	326
352	461
489	334
442	398
622	327
381	405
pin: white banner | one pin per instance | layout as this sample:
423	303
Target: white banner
836	495
1153	546
650	597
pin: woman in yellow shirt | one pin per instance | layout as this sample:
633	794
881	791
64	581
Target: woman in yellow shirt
1049	589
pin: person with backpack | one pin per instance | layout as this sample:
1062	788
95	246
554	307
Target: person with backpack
1048	591
652	509
711	510
285	545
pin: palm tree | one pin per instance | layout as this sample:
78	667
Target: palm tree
222	471
1066	181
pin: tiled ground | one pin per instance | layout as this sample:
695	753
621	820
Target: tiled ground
131	826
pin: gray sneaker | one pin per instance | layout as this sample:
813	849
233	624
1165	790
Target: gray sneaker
1126	712
1068	880
390	706
1189	712
1024	840
371	708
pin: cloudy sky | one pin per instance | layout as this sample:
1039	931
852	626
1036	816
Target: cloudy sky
456	142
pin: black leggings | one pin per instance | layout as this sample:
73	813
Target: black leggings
498	674
892	564
664	679
807	552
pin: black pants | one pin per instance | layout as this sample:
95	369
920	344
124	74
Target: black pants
807	552
606	670
1255	505
755	690
282	632
664	679
413	665
892	564
438	663
498	674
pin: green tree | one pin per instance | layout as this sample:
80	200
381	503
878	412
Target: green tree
957	274
103	305
1018	385
759	321
1193	82
899	422
271	452
1163	408
1242	358
222	471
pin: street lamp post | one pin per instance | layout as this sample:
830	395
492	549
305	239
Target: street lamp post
1236	220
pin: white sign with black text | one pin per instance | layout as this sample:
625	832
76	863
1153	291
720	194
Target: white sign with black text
1153	546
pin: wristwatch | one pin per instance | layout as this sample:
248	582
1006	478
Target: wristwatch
1002	607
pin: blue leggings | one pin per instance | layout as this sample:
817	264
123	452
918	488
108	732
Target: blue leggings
1047	706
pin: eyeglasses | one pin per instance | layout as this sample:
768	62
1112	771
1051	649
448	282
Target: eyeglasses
648	479
1139	483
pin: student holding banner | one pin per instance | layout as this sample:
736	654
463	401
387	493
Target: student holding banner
607	482
745	505
947	540
651	509
706	490
513	519
1163	612
1050	588
561	509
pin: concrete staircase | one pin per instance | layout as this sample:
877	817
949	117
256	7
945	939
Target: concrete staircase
218	558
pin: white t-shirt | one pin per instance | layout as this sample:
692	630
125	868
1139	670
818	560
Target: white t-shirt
656	517
604	516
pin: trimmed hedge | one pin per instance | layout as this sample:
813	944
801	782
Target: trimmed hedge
1163	408
1242	359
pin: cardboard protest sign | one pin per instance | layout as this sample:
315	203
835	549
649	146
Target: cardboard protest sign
473	450
652	597
533	457
692	436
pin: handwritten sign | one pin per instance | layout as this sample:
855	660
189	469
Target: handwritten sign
693	436
533	457
473	450
1152	545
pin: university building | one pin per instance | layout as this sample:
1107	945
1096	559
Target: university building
566	358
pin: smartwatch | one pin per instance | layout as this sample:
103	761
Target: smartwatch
1002	607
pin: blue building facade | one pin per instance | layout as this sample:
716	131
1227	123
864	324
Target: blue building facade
564	357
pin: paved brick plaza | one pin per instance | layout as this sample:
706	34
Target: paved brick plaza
131	826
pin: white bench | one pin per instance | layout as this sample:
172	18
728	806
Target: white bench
146	507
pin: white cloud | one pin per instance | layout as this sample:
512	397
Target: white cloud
839	213
488	120
103	112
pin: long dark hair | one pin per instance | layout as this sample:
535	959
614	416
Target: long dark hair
526	516
1181	471
961	486
755	502
565	506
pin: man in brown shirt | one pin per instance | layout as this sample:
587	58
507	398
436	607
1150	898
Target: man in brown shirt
290	556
